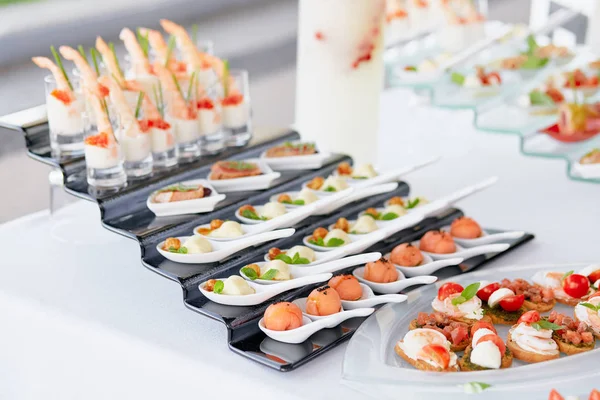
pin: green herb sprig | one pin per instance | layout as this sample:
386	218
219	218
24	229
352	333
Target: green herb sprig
591	306
170	48
60	65
178	188
333	242
474	387
458	78
269	275
250	273
138	106
467	294
412	203
226	78
543	324
389	216
181	250
298	202
539	98
218	288
111	45
143	41
82	52
252	215
292	260
94	56
330	189
194	33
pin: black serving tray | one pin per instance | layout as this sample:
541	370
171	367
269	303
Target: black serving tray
125	212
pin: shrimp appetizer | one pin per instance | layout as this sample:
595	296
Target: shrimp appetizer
457	333
568	288
530	340
486	351
460	304
589	313
347	286
437	242
427	350
574	337
283	316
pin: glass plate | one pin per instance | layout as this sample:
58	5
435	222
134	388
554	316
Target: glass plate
370	363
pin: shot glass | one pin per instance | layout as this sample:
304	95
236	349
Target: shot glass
162	141
206	46
103	158
210	121
136	147
65	121
236	105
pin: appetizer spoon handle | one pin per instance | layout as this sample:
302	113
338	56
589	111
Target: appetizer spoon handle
445	263
403	171
418	280
402	223
469	190
342	263
296	283
338	318
366	192
389	298
479	250
260	238
507	235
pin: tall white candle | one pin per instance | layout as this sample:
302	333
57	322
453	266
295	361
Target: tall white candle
340	74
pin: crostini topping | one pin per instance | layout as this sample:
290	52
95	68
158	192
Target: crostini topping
572	331
467	294
417	345
535	294
486	291
496	296
455	332
534	340
512	303
448	289
575	285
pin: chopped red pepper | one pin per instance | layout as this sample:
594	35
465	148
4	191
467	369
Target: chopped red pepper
104	91
159	124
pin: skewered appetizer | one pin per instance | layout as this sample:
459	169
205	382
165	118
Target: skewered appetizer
295	255
487	350
427	350
181	192
331	184
503	305
347	287
530	340
289	149
324	238
456	332
574	337
233	169
460	304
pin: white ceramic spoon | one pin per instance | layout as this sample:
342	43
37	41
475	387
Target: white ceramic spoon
393	287
356	196
290	163
301	270
369	299
262	292
222	250
309	327
465	254
486	238
298	214
392	175
293	196
428	266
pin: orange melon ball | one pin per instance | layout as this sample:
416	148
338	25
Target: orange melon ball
381	271
406	255
283	317
347	287
465	228
439	242
323	301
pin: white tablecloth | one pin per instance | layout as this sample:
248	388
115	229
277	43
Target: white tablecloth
82	319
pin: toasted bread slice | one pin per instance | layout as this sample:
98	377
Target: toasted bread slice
470	322
453	347
571	301
569	348
525	355
502	317
422	365
466	365
540	307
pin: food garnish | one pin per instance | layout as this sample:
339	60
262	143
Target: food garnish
292	260
218	287
475	387
467	294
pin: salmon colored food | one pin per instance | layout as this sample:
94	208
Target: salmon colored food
465	228
347	287
283	317
381	271
406	255
438	242
323	301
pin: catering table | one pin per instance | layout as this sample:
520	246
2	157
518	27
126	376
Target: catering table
82	319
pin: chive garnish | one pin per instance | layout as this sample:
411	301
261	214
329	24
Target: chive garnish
111	45
138	106
94	55
226	78
170	47
162	100
194	33
176	83
192	81
82	52
143	41
60	65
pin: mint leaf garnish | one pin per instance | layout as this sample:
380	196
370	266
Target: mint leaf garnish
389	216
334	242
269	275
539	98
285	258
457	78
250	273
218	288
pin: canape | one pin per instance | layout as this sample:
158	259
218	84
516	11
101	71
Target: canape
181	192
363	171
347	287
322	238
330	185
460	304
437	242
568	288
232	286
486	351
262	213
503	306
295	255
588	312
406	255
289	149
388	213
427	350
233	169
530	340
536	298
574	336
193	245
276	270
456	332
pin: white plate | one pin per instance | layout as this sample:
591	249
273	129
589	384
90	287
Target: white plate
466	253
259	182
428	267
222	250
311	161
588	171
486	238
369	299
393	287
309	327
302	270
262	292
370	359
203	205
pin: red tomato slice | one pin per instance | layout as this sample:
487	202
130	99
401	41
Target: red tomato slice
493	75
512	303
459	334
576	285
485	292
448	289
436	353
482	324
595	395
530	317
554	395
496	340
594	276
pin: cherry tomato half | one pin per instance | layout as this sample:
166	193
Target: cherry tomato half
436	353
530	317
448	289
512	303
485	292
594	276
482	324
595	395
496	340
576	285
554	395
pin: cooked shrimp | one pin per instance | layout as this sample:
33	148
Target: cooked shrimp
102	120
110	61
177	104
140	62
128	120
88	76
158	44
61	82
188	48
